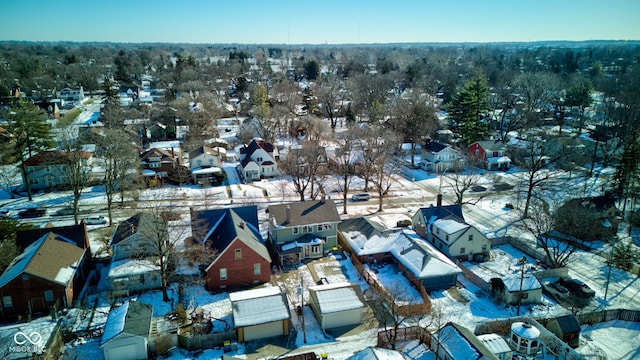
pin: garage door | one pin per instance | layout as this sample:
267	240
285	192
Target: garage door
126	352
262	331
343	318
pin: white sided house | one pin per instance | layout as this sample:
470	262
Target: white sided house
258	160
336	305
439	157
126	333
445	228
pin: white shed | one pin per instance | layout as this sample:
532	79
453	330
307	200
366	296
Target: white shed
126	332
336	305
260	313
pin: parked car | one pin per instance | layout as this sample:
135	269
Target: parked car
361	197
478	188
96	220
64	211
32	213
577	287
558	291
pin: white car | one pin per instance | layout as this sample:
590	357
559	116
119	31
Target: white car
361	197
96	220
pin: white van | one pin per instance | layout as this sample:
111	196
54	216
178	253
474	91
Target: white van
361	197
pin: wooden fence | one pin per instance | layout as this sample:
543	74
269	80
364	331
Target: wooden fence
608	315
473	278
404	310
388	337
205	341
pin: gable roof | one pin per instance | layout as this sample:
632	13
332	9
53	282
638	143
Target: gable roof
421	258
568	323
156	152
52	157
461	343
203	150
439	212
434	146
48	258
138	223
76	233
131	318
259	306
303	213
226	225
491	145
529	282
253	146
338	297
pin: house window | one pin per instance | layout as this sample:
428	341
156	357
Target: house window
48	295
437	231
295	230
307	229
6	301
447	237
477	151
154	165
33	181
259	159
315	249
320	227
256	269
462	250
328	226
238	254
199	162
471	237
223	274
484	247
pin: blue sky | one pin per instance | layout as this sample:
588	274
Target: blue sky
320	21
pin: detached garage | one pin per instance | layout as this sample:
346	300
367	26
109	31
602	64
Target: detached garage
126	333
336	305
260	313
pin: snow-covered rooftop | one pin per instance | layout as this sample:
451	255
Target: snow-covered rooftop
529	282
337	297
259	306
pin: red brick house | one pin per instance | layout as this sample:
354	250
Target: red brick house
491	155
241	258
44	275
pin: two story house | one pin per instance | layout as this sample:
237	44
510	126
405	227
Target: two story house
204	163
258	160
303	230
439	157
491	155
156	163
45	275
240	257
445	228
50	169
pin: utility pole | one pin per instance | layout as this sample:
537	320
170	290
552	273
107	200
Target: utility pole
612	246
304	328
522	262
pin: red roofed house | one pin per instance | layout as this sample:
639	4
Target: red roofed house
48	169
257	160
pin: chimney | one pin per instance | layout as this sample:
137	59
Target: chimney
288	213
241	225
439	200
323	198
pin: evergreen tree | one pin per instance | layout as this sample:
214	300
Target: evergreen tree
29	134
468	108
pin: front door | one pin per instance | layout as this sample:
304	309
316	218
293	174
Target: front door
307	251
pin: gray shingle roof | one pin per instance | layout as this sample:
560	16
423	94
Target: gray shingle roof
304	213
